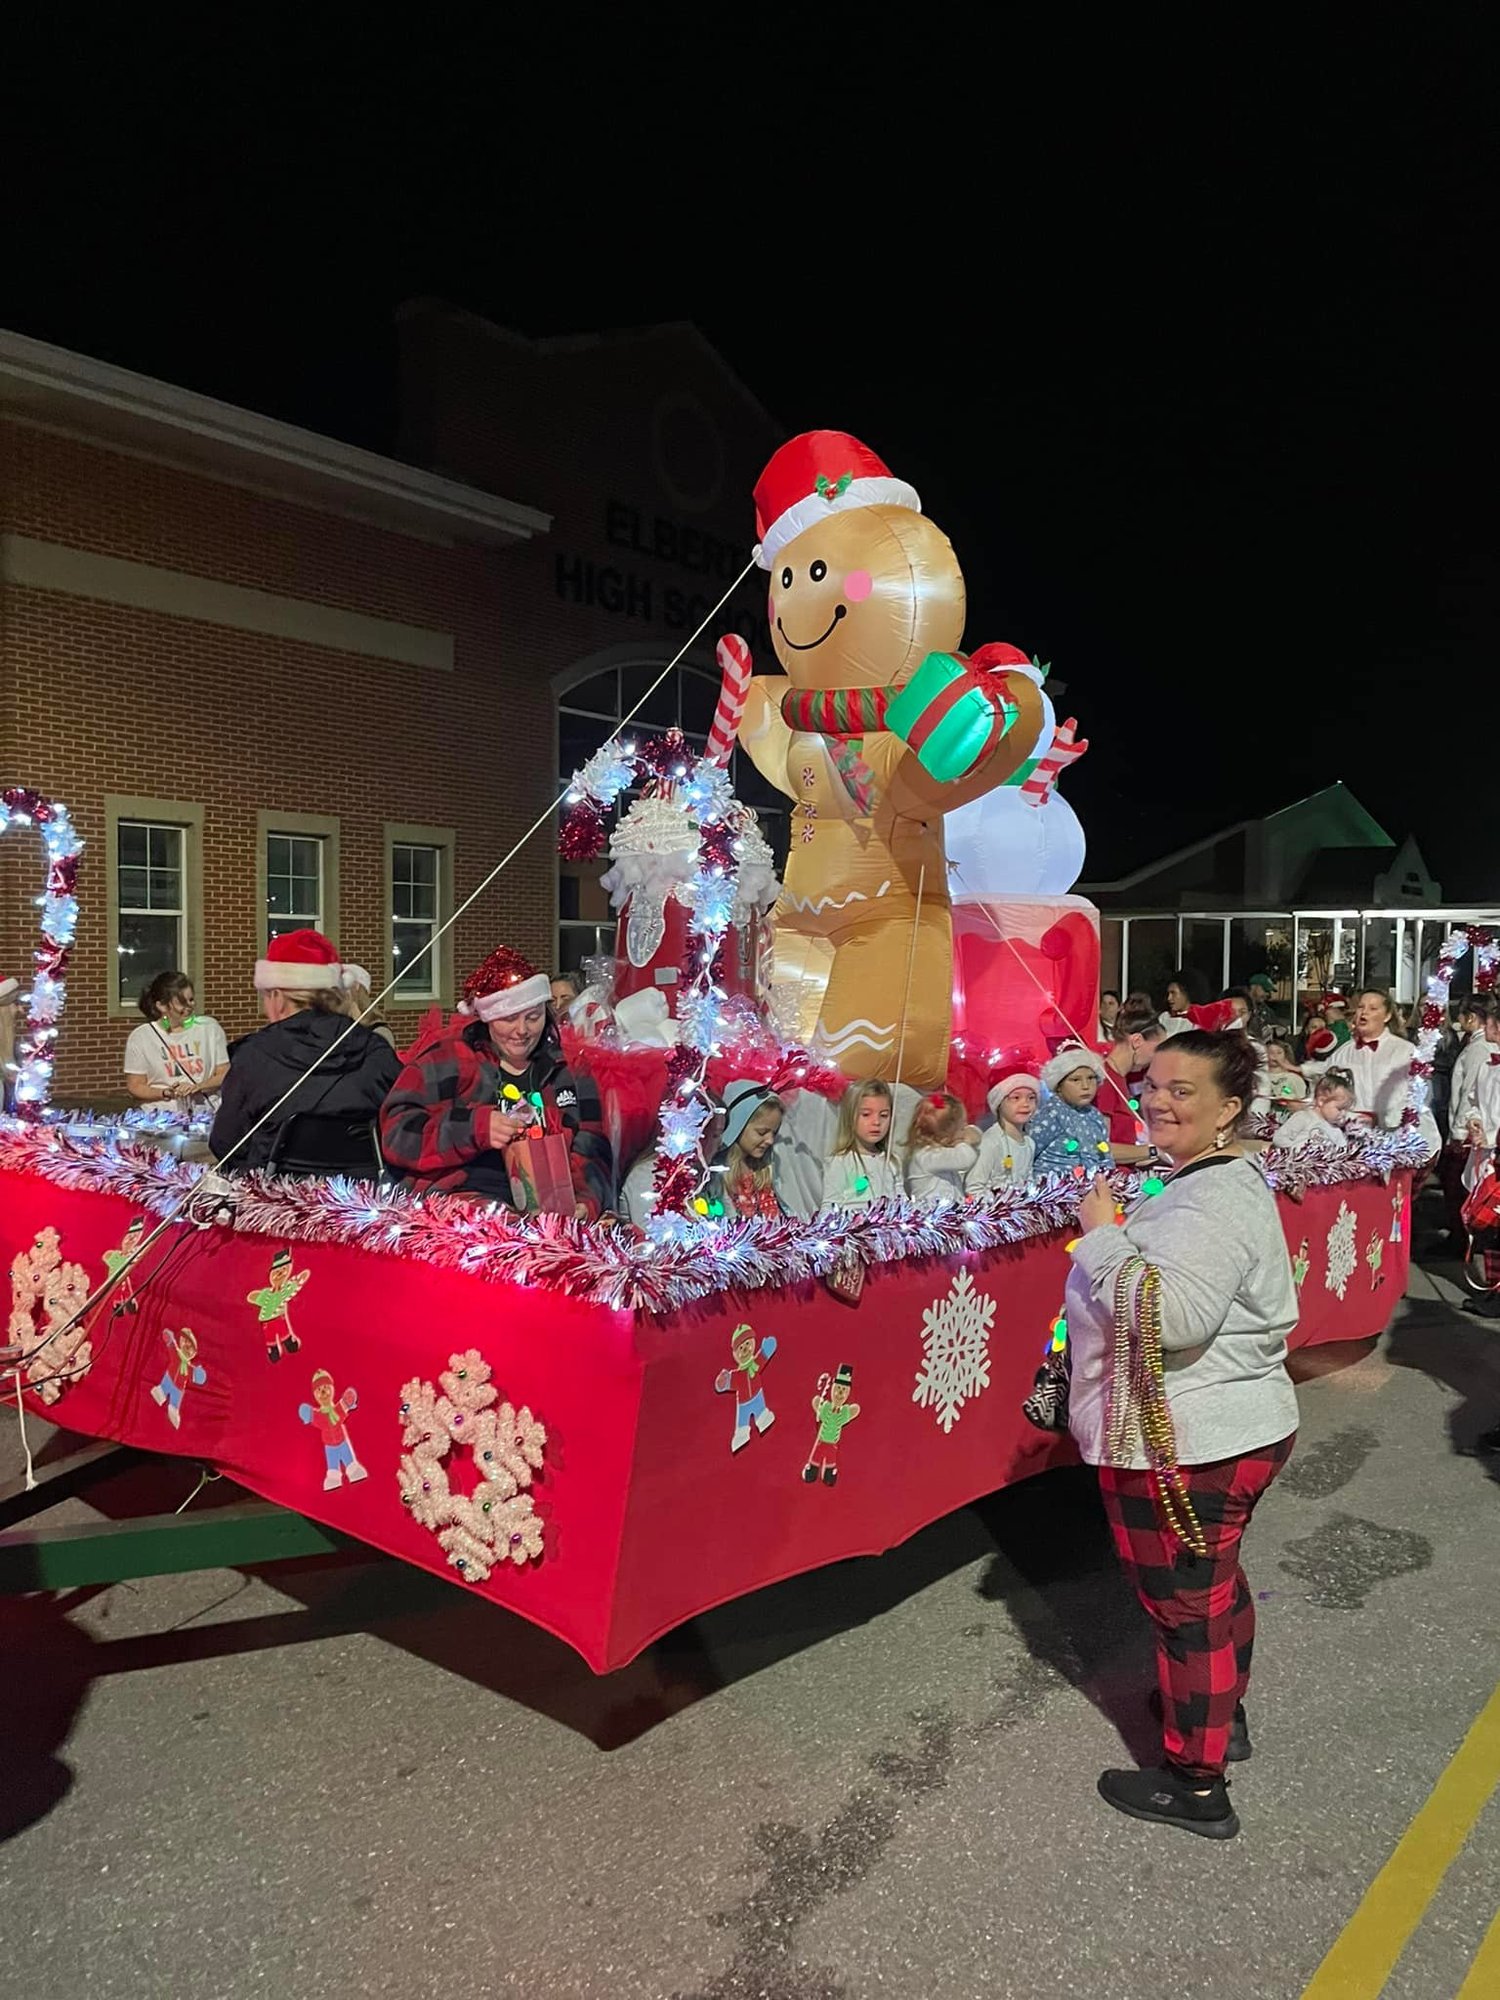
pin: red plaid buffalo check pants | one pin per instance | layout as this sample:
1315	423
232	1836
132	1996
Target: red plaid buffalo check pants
1201	1606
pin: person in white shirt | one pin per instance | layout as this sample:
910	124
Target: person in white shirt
942	1150
1005	1152
1472	1055
175	1053
1379	1061
1321	1127
10	1009
861	1169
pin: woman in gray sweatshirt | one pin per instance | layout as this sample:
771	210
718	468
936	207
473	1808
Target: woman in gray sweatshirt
1178	1315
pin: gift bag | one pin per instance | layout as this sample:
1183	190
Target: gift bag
541	1175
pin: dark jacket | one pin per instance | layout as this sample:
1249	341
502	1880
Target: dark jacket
427	1129
263	1067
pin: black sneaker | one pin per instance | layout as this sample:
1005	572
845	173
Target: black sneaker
1168	1798
1486	1306
1241	1749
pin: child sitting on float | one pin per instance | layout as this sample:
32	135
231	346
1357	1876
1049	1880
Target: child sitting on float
1006	1151
1319	1128
942	1150
752	1119
1286	1085
1069	1134
860	1168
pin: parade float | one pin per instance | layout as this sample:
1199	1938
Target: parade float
610	1430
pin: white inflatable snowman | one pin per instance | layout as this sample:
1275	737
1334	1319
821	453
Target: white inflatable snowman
1026	952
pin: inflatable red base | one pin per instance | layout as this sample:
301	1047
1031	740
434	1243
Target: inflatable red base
687	1458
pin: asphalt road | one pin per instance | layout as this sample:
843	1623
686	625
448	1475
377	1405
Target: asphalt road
347	1778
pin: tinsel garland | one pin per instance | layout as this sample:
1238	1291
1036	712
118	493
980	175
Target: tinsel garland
698	789
620	1268
58	903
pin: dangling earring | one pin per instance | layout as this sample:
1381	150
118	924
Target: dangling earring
1221	1140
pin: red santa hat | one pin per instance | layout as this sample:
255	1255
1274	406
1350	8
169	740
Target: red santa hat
1216	1016
299	962
505	984
1321	1044
1016	1071
1071	1056
813	476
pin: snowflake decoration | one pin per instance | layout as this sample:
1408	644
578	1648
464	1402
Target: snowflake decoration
45	1294
1343	1250
956	1348
496	1521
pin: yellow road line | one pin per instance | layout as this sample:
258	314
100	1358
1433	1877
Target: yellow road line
1483	1982
1366	1950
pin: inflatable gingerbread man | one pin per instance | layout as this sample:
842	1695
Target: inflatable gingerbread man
879	728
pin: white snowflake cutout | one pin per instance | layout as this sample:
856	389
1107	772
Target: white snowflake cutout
956	1350
1343	1250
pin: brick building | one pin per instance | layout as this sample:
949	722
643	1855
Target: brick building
280	680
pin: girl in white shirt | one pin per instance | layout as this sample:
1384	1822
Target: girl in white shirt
942	1150
1005	1152
860	1168
1379	1061
175	1053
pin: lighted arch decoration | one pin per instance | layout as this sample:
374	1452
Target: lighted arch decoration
22	807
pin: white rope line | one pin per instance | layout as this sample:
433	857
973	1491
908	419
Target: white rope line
25	1440
369	1008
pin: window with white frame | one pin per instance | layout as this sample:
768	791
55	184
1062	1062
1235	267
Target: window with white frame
152	899
295	875
416	913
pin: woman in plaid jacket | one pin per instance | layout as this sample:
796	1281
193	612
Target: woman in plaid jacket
1178	1315
461	1102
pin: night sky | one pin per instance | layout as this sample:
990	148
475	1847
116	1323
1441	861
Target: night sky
1181	344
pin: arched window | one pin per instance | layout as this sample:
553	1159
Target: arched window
593	696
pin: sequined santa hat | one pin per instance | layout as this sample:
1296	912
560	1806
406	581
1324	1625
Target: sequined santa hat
1071	1056
505	984
299	962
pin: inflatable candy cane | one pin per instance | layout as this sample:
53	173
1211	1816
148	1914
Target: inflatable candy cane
733	656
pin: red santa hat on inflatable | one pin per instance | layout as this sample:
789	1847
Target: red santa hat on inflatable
813	476
505	984
299	962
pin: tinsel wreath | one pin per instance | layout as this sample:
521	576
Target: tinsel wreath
621	1268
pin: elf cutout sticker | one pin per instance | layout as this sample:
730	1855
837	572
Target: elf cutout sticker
832	1409
326	1413
274	1303
183	1370
745	1379
1301	1264
118	1261
1375	1257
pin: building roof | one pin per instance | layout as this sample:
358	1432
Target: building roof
1138	858
55	389
684	330
1342	877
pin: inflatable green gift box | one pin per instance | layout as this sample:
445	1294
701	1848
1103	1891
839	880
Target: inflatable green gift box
950	716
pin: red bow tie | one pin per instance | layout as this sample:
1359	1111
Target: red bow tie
1361	1043
1493	1060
